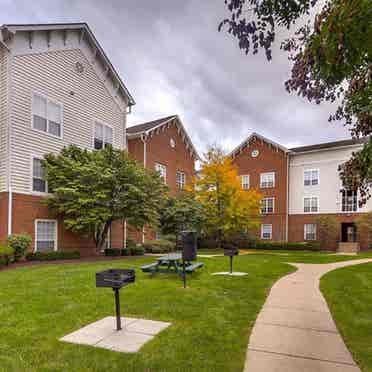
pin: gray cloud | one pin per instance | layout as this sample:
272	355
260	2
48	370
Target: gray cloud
173	60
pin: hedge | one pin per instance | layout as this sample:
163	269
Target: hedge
51	256
299	246
159	246
6	255
130	251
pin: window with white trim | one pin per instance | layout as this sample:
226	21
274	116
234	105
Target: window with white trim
180	180
45	235
311	177
310	231
266	231
349	200
245	181
267	205
38	176
46	115
103	135
162	170
267	180
311	205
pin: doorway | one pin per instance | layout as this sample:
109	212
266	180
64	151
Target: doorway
348	232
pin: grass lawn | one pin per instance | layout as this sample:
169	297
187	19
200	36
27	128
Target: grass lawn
348	292
211	320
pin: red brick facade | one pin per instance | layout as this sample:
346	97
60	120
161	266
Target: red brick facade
269	159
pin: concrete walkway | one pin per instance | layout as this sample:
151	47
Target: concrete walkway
294	331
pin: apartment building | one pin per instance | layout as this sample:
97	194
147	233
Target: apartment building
299	185
163	145
57	87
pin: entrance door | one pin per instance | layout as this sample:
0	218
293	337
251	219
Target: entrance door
348	232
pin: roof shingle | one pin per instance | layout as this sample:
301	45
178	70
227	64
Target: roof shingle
327	145
140	128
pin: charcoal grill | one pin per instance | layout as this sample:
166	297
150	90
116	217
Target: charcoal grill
230	250
115	279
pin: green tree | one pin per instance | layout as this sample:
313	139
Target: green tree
227	207
327	230
331	52
92	189
181	212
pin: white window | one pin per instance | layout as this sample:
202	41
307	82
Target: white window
162	169
349	200
45	235
267	180
103	135
38	176
311	177
180	180
266	231
310	231
245	181
311	205
46	115
267	205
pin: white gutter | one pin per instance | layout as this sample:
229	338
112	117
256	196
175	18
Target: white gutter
143	139
287	208
8	146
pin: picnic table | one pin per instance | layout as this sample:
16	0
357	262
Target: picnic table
171	262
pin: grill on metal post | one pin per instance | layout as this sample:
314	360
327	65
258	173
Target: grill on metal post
230	250
115	279
189	250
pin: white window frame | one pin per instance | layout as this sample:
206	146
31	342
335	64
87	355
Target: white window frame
37	157
262	231
306	225
56	232
357	202
181	185
264	206
164	167
311	179
245	185
47	119
317	204
266	174
97	121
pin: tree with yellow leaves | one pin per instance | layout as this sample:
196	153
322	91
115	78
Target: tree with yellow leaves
228	208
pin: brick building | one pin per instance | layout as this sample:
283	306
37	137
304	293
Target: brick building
298	186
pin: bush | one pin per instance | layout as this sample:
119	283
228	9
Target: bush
137	251
262	244
20	244
113	252
6	254
130	243
51	256
159	246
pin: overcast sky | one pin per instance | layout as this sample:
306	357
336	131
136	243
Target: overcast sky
174	61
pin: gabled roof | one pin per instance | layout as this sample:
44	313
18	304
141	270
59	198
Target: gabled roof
253	137
7	30
151	127
329	145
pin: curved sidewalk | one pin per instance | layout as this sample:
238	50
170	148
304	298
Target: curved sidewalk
295	332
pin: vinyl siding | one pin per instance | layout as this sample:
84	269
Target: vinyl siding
84	98
3	116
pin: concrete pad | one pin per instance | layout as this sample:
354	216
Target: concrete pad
103	333
268	362
301	343
321	321
234	273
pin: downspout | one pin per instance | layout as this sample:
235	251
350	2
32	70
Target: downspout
287	207
143	139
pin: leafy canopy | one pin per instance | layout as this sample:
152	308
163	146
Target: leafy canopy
228	209
91	189
331	52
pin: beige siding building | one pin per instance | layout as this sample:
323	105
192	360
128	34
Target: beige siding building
57	87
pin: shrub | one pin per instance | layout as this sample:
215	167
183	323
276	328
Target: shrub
137	251
113	252
20	244
6	254
51	256
130	243
262	244
159	246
